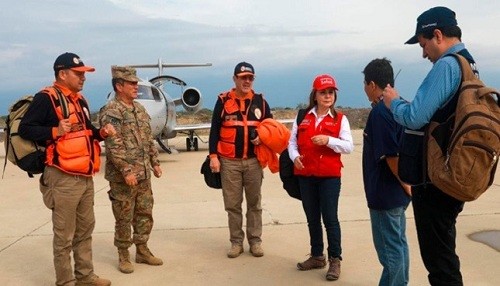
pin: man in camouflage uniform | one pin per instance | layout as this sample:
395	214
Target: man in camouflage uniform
130	155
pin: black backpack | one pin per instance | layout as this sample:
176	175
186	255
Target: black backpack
213	180
288	178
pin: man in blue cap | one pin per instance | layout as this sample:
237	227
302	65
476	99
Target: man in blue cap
435	212
72	158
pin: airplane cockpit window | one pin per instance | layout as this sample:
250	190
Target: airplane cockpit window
146	92
156	94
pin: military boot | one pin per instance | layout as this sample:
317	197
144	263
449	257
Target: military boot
124	264
144	255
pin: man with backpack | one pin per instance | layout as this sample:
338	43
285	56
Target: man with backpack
435	211
72	158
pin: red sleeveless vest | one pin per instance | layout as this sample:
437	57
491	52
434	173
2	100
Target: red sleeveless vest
318	161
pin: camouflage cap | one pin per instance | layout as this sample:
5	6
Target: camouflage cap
125	73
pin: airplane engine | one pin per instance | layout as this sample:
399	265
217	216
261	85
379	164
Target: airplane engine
191	100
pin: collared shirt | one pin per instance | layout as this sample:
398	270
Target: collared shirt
381	139
438	87
342	145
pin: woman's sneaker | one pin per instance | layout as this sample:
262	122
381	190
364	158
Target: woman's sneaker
314	262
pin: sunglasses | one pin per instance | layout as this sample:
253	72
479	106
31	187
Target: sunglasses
246	77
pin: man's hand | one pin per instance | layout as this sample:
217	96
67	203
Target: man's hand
108	130
389	94
64	127
256	141
214	164
131	180
406	188
157	171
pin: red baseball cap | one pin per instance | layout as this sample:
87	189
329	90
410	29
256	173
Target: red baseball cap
324	81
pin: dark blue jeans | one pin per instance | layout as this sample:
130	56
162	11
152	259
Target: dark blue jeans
435	218
320	199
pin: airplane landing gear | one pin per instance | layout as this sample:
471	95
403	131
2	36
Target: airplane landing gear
191	143
163	145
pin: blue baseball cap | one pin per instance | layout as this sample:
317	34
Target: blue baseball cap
243	68
431	19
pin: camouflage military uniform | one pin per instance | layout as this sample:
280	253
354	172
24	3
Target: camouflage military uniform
131	150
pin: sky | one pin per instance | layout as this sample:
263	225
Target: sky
288	43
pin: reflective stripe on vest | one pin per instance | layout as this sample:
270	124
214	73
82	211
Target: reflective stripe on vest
236	126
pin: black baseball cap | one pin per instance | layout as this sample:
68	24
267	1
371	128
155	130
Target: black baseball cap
243	68
71	61
431	19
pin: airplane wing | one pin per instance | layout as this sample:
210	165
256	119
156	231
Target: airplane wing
204	126
192	127
192	137
285	121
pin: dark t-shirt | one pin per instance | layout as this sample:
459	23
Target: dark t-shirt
381	139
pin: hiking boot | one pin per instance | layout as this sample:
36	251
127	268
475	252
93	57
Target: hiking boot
333	272
256	250
313	262
144	255
124	264
235	251
94	280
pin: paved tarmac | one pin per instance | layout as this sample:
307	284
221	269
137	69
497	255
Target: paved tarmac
190	233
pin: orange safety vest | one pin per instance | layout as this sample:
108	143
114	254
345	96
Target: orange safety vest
318	161
240	116
76	152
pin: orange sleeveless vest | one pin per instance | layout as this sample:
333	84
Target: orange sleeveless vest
237	124
76	152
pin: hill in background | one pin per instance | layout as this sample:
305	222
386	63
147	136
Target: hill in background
357	116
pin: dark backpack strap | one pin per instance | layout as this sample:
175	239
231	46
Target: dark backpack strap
7	142
223	97
63	102
300	115
472	63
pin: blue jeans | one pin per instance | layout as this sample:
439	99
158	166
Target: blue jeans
320	199
389	238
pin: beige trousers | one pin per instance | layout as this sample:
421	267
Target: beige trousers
242	176
71	199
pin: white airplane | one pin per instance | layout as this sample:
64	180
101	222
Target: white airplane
152	94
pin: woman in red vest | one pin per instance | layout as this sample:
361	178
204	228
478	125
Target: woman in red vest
315	147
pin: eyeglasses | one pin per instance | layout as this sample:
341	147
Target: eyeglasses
246	77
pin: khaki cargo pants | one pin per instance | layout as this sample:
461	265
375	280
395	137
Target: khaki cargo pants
71	199
242	176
